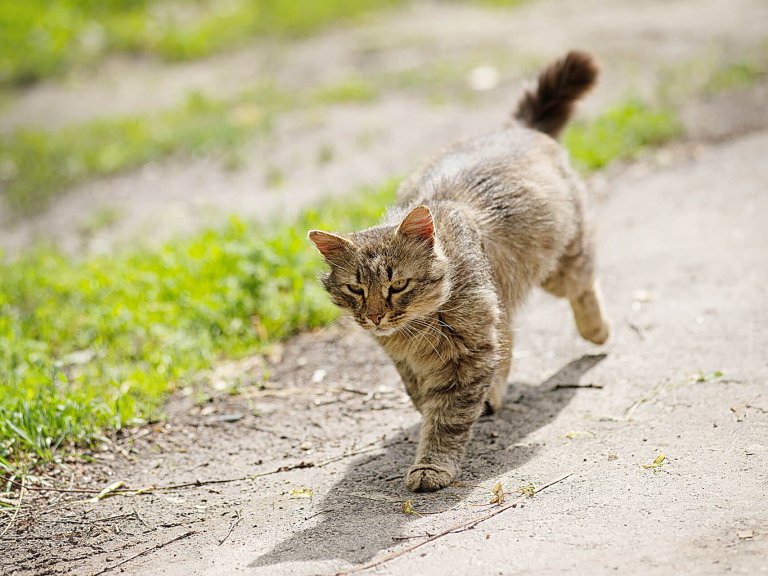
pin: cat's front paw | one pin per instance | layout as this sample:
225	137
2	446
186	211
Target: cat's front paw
597	334
428	478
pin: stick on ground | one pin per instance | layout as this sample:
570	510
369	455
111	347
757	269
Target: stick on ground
154	548
456	528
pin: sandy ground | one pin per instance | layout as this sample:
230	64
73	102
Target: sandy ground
684	275
684	269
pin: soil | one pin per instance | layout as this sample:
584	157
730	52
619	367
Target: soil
292	463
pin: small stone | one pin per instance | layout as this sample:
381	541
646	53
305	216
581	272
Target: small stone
234	417
318	375
483	78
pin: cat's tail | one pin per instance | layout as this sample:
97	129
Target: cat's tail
549	105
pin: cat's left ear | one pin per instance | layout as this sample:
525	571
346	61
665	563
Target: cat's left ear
418	224
329	245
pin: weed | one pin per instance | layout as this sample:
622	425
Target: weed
39	38
620	133
734	76
350	90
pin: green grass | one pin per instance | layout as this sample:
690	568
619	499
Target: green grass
97	343
620	133
350	90
37	164
734	76
42	38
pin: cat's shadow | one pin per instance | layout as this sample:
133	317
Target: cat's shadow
361	515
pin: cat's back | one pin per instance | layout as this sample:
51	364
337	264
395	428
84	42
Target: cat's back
516	182
514	189
505	160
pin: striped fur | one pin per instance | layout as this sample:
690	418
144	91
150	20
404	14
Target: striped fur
439	279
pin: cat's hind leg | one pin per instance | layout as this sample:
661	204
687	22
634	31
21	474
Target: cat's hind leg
575	279
498	389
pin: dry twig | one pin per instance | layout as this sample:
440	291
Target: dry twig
453	529
232	526
149	550
197	483
16	509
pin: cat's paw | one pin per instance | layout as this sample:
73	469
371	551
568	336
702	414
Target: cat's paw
428	478
596	334
495	399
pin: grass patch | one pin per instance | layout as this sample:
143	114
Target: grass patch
620	133
734	77
97	343
351	90
37	164
42	38
501	3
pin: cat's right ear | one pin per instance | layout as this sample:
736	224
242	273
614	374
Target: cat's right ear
330	245
418	224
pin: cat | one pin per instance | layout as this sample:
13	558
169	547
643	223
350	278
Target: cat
439	279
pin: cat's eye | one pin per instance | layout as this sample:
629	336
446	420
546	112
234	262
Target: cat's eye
398	285
355	289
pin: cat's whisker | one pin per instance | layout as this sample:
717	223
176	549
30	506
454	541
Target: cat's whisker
425	336
424	324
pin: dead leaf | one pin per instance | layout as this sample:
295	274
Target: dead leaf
528	490
498	494
302	493
656	463
109	490
408	508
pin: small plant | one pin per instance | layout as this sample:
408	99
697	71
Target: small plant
621	133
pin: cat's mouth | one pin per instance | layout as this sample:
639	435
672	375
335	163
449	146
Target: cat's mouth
378	331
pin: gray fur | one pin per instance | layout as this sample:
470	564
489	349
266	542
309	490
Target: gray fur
505	214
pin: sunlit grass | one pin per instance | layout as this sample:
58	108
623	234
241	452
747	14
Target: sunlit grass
42	38
97	343
620	133
36	165
735	76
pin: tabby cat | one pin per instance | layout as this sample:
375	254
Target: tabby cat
438	281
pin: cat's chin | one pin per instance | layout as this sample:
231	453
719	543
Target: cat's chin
383	331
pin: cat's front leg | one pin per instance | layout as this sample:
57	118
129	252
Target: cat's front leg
445	431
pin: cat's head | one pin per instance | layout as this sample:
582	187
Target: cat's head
386	276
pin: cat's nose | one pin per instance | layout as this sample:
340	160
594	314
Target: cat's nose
375	318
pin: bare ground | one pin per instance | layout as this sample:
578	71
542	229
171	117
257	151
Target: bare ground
684	270
684	273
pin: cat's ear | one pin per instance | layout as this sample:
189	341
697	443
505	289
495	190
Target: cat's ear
418	224
329	245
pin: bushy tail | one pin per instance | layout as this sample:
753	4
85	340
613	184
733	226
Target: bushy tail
549	105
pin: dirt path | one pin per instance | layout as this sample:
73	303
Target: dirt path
684	271
685	286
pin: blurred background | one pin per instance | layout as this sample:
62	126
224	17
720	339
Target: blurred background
144	119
